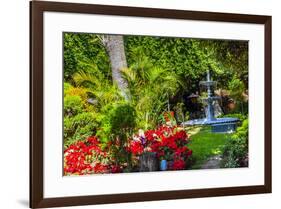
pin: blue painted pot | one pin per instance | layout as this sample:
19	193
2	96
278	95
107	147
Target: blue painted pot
163	165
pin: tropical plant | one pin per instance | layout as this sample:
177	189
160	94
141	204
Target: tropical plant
101	90
150	89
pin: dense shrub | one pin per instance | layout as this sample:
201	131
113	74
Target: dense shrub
79	127
79	123
72	105
117	123
235	153
116	120
83	52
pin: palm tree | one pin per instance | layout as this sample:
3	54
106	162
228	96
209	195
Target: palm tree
114	45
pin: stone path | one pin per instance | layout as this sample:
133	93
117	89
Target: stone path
212	162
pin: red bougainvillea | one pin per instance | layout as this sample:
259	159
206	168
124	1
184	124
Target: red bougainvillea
92	156
87	157
168	142
135	147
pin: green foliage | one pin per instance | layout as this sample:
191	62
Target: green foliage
150	88
236	87
235	152
83	52
72	105
237	93
78	127
242	131
191	58
79	123
182	56
117	124
102	90
66	87
117	120
232	56
179	110
121	117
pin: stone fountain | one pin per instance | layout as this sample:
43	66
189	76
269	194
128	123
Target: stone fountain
220	125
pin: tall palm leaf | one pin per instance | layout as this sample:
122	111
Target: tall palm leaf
103	91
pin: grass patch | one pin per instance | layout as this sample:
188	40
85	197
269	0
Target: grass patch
205	144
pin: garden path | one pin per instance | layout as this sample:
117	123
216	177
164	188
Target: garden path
212	163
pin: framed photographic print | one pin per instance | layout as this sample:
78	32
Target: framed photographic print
138	104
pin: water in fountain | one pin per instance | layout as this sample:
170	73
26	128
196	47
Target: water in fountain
217	124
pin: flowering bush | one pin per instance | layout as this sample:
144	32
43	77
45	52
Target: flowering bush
88	157
169	143
92	156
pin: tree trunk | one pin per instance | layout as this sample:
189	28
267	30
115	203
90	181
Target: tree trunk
114	45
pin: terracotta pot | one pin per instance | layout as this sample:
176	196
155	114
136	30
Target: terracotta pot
169	115
231	105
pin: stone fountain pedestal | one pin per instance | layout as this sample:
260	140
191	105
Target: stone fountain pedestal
218	125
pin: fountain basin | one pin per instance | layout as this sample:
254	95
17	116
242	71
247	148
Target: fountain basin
218	125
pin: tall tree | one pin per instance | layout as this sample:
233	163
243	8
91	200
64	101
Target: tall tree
114	45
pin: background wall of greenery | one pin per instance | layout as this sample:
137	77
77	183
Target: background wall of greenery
162	72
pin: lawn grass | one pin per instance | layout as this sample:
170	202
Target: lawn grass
205	144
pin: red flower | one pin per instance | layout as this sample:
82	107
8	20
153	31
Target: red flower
77	155
100	168
180	135
93	140
150	135
180	150
178	164
116	169
136	147
189	152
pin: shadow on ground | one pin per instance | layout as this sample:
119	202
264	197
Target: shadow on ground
23	202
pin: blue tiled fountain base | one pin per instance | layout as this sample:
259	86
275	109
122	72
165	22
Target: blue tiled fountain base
224	128
219	125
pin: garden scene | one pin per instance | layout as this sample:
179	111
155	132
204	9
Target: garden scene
142	103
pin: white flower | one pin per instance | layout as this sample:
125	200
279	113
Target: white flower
135	138
141	133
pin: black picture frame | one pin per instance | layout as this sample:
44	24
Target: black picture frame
37	8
